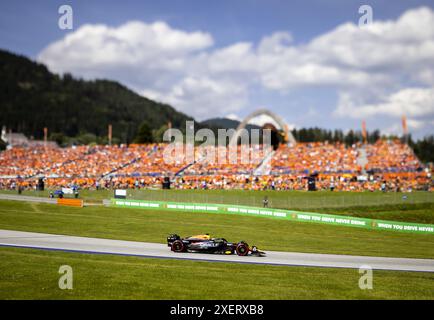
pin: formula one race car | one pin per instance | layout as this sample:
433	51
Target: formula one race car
205	244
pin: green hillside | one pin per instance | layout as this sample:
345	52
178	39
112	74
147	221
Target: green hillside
31	98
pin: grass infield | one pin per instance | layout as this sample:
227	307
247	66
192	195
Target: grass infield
268	234
33	274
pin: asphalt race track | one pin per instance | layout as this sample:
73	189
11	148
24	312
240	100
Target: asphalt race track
155	250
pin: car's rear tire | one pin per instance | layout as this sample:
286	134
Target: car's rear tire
178	246
242	249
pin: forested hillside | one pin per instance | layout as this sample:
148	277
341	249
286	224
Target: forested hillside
32	98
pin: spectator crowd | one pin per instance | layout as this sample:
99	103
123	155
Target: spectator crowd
390	165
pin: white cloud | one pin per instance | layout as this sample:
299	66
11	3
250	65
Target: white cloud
412	124
354	56
425	76
234	58
134	43
381	69
233	116
409	39
204	97
413	102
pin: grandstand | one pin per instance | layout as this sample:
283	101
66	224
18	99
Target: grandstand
305	158
391	165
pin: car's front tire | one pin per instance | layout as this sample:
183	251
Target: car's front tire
242	249
178	246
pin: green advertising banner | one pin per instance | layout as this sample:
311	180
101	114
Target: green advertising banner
279	214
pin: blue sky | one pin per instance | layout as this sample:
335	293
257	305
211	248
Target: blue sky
305	60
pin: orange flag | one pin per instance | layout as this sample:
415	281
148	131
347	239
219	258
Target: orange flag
404	125
364	134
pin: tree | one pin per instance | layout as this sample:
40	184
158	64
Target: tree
144	134
58	137
374	136
2	145
424	149
350	138
86	138
158	133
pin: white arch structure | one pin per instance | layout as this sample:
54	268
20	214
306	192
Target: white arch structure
282	125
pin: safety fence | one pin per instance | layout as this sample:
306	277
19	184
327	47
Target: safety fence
299	200
366	223
295	200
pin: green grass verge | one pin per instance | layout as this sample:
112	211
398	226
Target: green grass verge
417	207
33	274
277	199
418	213
267	233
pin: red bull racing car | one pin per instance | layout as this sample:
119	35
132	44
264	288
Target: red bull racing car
205	244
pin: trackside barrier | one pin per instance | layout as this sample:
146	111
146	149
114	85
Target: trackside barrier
70	202
366	223
27	198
